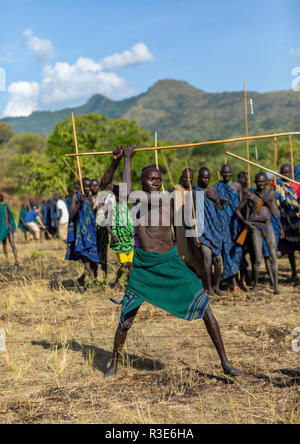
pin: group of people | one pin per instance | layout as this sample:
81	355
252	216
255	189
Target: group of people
165	267
51	219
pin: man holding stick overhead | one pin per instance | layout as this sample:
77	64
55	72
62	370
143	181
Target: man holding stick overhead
159	275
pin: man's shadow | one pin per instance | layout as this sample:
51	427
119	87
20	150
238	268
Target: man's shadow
99	358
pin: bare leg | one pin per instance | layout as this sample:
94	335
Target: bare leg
119	341
218	274
269	269
207	261
213	330
119	275
4	245
257	245
293	266
13	247
271	244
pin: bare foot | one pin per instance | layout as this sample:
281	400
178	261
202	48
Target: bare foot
276	291
218	292
230	370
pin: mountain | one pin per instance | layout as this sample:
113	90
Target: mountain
181	112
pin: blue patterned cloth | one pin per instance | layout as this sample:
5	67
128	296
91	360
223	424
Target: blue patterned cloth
212	232
289	213
232	253
297	171
276	228
83	243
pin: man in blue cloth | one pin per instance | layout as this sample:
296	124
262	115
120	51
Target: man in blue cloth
159	275
7	229
288	197
210	242
230	195
82	237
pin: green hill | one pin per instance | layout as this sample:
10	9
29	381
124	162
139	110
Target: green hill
180	112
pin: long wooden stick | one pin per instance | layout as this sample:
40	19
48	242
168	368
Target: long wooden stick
69	166
156	153
275	157
191	145
168	169
261	167
77	158
292	156
192	197
246	132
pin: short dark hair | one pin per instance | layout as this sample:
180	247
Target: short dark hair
258	175
203	169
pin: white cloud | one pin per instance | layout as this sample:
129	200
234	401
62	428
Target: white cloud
65	84
42	49
139	53
295	52
23	100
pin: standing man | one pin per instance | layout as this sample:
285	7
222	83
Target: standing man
288	196
21	223
186	248
210	242
230	195
260	226
82	239
7	229
63	217
121	227
159	275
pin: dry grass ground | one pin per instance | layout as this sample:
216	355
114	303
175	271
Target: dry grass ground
59	344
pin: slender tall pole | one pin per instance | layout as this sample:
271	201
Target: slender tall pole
260	167
275	157
77	157
156	153
246	132
190	145
69	166
292	156
192	197
168	169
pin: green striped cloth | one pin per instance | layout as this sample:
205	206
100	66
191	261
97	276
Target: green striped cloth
122	227
165	281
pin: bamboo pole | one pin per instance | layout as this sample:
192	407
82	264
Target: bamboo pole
192	197
191	145
69	166
156	153
261	167
275	157
246	132
77	158
168	169
292	156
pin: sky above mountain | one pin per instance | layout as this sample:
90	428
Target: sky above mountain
59	53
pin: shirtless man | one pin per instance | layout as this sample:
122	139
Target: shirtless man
260	225
210	243
159	275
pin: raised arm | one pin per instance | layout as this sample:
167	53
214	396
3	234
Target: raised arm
106	180
129	152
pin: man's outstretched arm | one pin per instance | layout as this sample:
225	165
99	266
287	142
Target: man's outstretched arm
106	180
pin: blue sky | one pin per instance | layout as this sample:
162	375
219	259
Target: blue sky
58	53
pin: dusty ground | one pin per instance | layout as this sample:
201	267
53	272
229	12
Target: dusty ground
59	344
